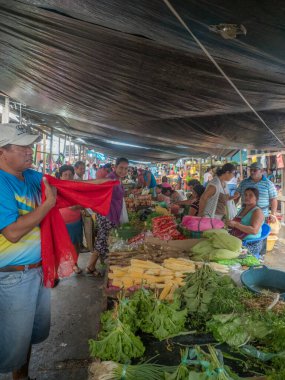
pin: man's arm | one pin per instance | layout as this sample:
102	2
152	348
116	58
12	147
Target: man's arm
24	224
273	207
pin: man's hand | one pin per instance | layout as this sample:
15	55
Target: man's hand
272	218
50	192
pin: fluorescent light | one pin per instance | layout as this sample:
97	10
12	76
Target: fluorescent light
126	144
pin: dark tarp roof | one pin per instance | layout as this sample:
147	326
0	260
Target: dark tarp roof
127	71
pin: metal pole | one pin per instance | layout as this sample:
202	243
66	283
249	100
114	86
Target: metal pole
51	146
64	147
20	113
69	149
6	110
80	147
240	165
44	149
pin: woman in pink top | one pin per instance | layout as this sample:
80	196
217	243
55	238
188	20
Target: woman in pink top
72	215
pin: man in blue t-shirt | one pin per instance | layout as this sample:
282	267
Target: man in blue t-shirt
24	302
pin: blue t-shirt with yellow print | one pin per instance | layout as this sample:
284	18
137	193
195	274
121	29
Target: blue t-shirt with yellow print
18	198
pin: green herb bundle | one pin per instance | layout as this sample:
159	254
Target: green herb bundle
199	289
163	319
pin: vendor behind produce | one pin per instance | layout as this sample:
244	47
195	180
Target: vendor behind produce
197	192
149	181
106	223
247	224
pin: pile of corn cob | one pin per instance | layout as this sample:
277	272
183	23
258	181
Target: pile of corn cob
168	276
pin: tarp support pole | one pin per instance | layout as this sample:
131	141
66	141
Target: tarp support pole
240	165
6	110
44	155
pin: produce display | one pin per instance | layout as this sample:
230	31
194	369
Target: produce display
200	287
152	252
164	227
168	276
196	364
218	245
166	294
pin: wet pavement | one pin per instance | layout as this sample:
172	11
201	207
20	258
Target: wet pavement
76	306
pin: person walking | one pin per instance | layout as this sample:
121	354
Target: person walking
113	219
24	301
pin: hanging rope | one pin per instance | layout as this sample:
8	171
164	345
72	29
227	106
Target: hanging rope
220	69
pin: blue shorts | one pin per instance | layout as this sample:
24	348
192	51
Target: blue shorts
24	316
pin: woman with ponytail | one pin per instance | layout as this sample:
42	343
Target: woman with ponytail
213	202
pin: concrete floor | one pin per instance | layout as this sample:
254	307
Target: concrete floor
76	306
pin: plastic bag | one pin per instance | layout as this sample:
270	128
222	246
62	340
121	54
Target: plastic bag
275	227
124	218
231	209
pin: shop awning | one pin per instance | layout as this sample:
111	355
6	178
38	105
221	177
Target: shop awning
126	77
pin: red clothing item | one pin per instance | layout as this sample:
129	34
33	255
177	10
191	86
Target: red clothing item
69	215
58	252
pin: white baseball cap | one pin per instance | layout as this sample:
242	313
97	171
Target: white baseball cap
16	134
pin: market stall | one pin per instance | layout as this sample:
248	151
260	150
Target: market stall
168	291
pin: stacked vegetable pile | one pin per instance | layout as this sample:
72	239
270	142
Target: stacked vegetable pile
253	326
219	245
237	317
117	340
164	228
167	276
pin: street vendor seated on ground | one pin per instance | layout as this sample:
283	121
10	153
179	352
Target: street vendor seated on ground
72	215
113	219
247	224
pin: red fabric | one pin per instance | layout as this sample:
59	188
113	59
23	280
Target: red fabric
58	252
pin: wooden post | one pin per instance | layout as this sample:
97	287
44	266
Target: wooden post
6	110
44	154
240	165
80	147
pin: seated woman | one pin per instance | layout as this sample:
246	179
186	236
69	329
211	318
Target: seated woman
197	192
72	215
172	194
247	224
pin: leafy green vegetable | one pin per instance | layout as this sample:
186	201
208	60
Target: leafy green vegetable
119	344
229	300
163	320
237	330
246	261
199	289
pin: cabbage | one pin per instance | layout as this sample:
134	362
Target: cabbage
209	233
220	254
226	241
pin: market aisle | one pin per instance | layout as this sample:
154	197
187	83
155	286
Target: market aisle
276	258
76	306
